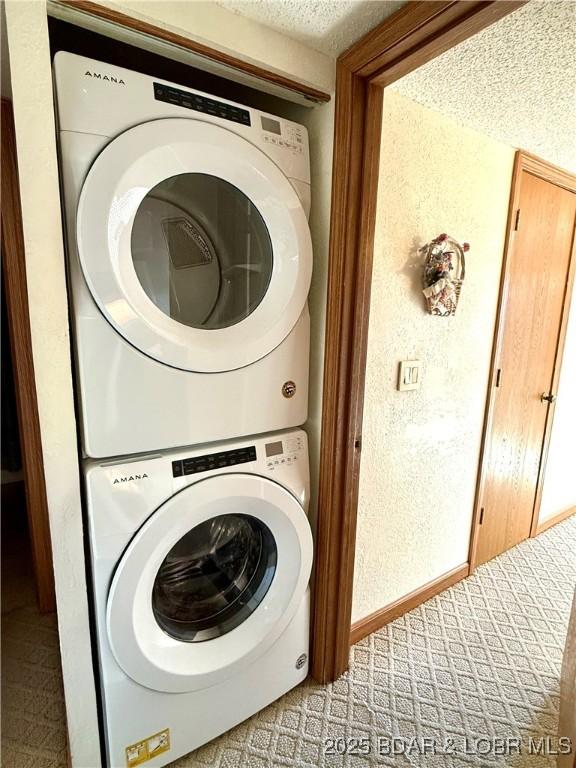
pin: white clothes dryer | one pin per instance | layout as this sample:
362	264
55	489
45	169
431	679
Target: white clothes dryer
190	261
200	562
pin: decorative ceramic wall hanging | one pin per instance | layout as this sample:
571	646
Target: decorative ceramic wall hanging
444	270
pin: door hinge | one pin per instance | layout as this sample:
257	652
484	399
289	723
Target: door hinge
517	222
498	377
481	516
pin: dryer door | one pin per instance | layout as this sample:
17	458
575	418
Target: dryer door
194	245
209	582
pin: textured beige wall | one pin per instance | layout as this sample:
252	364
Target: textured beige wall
420	448
559	490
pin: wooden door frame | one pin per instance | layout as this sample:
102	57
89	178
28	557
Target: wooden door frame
523	161
414	35
14	276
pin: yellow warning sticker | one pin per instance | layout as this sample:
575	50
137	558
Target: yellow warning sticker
147	749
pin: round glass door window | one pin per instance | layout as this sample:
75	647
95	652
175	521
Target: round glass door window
214	577
201	251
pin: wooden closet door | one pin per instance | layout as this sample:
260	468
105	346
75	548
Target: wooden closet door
538	265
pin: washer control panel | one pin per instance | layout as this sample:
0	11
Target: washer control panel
283	453
213	461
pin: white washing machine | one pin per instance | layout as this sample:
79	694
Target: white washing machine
189	259
200	563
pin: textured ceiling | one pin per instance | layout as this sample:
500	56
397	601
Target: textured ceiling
328	26
4	62
515	81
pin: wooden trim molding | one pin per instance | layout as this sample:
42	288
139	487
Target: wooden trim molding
364	627
415	34
418	33
567	301
146	28
560	517
355	176
544	170
14	275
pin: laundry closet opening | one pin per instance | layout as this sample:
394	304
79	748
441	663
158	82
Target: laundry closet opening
186	202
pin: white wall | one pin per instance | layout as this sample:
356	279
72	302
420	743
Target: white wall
210	23
559	490
37	166
420	448
32	99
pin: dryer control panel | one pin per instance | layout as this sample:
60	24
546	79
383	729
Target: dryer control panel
200	103
213	461
284	135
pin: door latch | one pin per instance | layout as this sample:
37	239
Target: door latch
549	398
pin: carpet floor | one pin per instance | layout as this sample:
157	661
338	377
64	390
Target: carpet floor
33	714
470	678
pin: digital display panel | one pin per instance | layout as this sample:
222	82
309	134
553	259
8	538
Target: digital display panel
272	126
274	449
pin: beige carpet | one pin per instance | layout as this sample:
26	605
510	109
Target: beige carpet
481	660
33	724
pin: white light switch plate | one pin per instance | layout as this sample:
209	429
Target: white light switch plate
409	375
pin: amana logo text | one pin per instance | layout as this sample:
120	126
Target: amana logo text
129	478
110	78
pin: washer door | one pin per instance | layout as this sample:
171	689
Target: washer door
194	245
209	582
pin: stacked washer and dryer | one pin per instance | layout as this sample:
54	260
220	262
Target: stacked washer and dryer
190	260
